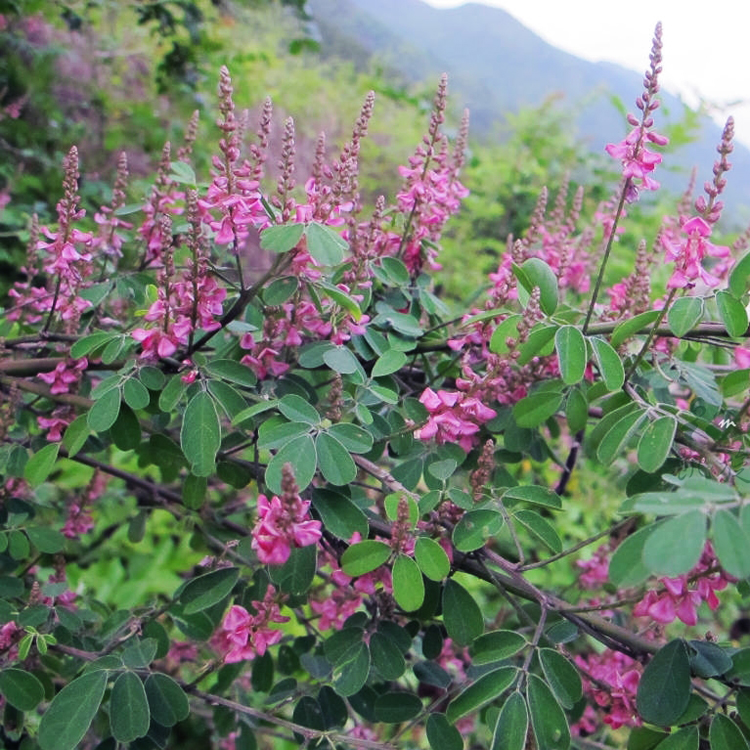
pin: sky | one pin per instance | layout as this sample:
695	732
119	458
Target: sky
706	54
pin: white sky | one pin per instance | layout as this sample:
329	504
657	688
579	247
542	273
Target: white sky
706	47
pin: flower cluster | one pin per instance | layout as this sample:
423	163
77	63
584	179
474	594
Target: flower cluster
681	596
611	680
455	417
242	635
283	523
637	161
687	252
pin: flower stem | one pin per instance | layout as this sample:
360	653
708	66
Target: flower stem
651	335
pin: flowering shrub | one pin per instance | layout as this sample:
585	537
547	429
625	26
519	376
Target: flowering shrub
369	482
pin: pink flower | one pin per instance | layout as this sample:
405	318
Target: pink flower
65	375
688	252
243	636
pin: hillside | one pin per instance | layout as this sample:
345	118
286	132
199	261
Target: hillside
497	66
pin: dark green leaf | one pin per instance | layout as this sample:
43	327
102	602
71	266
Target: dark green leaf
21	689
296	575
547	718
675	546
431	558
393	708
172	393
204	591
335	463
297	409
140	654
496	646
135	394
431	673
576	410
731	543
684	314
655	443
274	434
194	491
103	414
48	541
474	528
386	657
630	327
408	586
300	453
740	276
353	438
512	724
340	516
71	712
686	738
626	568
389	362
90	343
280	290
76	435
442	735
364	556
664	688
619	435
281	238
461	614
536	495
200	435
732	313
349	676
129	715
708	659
562	677
231	401
325	244
540	528
488	687
18	545
609	363
39	466
534	410
571	353
334	709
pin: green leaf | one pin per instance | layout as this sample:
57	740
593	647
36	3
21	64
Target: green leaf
664	687
103	414
335	463
342	299
708	659
48	541
619	435
684	314
182	173
538	273
363	557
296	575
354	438
686	738
562	677
325	244
90	343
732	313
431	558
273	435
281	238
76	435
571	353
234	372
496	646
396	270
386	657
300	453
204	591
18	545
297	409
339	515
474	528
461	614
540	343
280	290
395	707
171	394
655	443
540	528
547	718
140	654
512	724
389	362
408	586
200	435
194	491
71	712
536	495
731	543
675	546
135	394
630	327
626	568
488	687
40	465
441	734
506	329
576	410
535	409
129	715
341	360
21	689
609	363
740	276
350	675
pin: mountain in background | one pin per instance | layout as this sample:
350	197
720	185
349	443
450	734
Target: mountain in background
497	66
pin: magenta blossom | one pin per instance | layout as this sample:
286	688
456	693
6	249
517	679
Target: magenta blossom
688	252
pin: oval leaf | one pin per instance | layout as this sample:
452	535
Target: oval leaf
732	313
675	546
488	687
431	558
129	715
562	677
335	463
534	410
496	646
725	734
664	687
442	735
547	718
408	586
571	353
512	724
731	543
363	557
461	614
300	453
609	363
655	443
200	435
21	689
684	314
